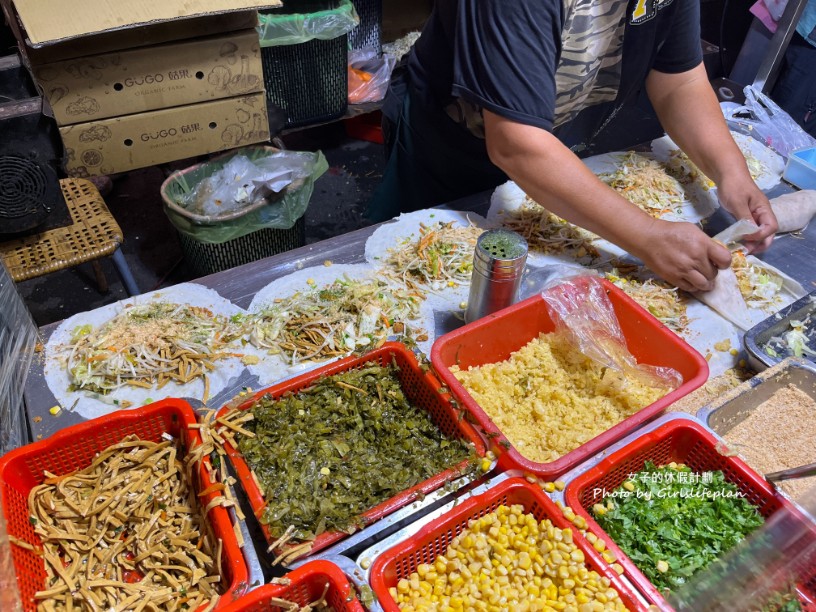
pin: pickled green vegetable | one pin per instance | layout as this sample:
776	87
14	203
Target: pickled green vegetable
329	453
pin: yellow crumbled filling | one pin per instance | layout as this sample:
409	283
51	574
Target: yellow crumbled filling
548	398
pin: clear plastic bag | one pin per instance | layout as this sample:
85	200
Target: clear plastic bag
277	29
243	182
260	207
368	75
759	572
580	306
18	339
770	123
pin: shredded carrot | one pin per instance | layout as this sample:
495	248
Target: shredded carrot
218	486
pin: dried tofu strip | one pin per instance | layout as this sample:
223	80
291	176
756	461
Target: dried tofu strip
126	533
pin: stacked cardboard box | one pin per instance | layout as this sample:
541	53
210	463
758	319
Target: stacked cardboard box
130	87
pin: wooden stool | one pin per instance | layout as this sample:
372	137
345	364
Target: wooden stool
94	233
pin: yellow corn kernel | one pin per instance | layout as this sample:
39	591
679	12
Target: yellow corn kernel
560	485
546	546
486	463
608	556
549	487
618	568
629	485
599	509
599	545
611	594
662	567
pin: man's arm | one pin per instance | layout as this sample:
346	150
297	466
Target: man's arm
689	112
553	176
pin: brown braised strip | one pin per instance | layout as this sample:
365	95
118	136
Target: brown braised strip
129	500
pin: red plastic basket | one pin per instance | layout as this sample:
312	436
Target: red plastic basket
75	448
307	584
682	441
433	539
494	337
366	127
421	388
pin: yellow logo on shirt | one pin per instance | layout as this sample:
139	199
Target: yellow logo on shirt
646	10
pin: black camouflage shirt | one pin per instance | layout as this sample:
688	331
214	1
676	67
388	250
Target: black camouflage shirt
562	65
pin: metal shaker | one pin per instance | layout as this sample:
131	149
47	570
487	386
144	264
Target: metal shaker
498	263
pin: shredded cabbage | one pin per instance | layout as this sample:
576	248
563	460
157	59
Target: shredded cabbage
793	341
441	256
646	183
759	286
546	232
149	344
325	322
658	297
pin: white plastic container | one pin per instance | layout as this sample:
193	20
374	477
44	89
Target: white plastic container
801	168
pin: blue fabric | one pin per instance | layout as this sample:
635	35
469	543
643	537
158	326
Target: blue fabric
795	90
807	23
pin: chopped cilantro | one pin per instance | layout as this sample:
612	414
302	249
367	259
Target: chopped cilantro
676	517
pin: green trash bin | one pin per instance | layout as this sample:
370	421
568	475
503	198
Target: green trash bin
212	243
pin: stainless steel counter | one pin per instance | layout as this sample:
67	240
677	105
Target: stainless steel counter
793	254
239	285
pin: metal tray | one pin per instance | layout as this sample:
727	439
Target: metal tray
598	457
726	413
757	338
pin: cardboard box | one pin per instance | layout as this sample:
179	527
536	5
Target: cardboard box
135	141
152	78
54	30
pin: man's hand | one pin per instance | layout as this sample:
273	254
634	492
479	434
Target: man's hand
552	175
689	111
682	254
744	200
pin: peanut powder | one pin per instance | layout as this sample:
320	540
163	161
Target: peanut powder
779	434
